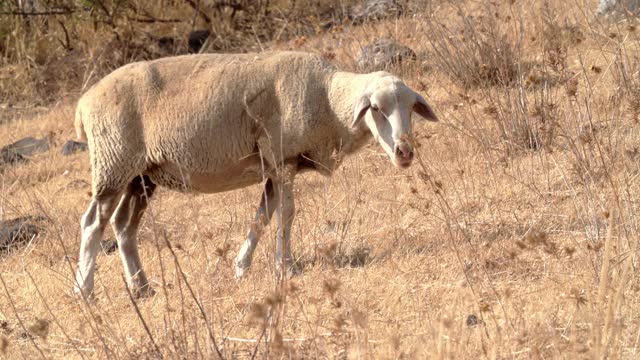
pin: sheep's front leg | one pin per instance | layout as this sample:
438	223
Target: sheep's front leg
268	204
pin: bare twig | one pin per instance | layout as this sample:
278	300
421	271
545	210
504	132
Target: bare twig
144	323
196	7
151	20
24	328
193	295
67	41
55	319
41	13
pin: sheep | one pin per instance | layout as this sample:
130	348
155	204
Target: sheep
209	123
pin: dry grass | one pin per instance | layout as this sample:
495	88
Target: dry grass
514	236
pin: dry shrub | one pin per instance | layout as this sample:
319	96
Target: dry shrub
43	58
524	121
627	81
481	52
558	37
475	52
592	137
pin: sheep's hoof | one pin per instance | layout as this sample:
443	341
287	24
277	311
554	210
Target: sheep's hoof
241	271
83	293
143	292
292	269
242	267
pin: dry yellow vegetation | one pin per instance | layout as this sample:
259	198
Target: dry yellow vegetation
514	235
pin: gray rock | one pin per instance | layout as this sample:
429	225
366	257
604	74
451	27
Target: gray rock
18	232
30	146
372	10
617	7
10	157
382	54
71	147
21	149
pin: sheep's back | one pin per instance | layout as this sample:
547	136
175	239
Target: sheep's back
206	111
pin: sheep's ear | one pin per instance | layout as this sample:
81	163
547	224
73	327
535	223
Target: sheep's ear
361	108
423	109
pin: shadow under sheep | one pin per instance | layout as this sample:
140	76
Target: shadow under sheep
335	256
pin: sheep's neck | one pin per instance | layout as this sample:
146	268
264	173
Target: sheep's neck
344	90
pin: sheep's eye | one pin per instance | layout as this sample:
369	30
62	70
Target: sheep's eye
374	107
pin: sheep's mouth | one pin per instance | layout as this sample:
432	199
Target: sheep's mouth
402	162
403	158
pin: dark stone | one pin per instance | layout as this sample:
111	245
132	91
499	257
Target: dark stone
18	232
71	147
109	246
30	146
382	54
167	44
197	39
11	157
5	328
26	336
21	149
472	320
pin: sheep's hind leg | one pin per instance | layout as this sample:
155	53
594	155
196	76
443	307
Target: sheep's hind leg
286	213
125	222
92	226
262	218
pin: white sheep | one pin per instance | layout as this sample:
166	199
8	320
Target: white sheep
216	122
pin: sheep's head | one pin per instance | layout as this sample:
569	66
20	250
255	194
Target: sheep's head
386	108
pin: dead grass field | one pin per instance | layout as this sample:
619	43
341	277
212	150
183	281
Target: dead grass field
514	236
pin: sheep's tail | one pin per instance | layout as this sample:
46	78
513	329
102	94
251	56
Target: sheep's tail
82	135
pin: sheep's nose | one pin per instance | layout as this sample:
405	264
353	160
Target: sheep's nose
403	151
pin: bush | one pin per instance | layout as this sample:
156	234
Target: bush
478	53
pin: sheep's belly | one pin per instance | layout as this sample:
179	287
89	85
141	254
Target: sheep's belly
219	182
236	176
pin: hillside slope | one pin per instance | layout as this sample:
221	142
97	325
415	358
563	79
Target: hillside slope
513	236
